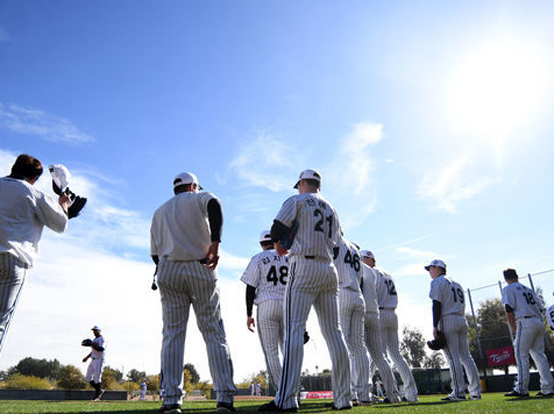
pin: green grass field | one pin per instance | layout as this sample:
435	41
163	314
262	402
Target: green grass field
490	404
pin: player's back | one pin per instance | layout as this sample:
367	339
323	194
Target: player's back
370	295
268	273
523	300
318	225
450	294
387	296
349	266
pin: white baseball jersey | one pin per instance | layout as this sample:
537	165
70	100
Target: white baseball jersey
96	366
450	294
177	236
24	211
550	316
351	316
102	344
454	325
387	297
530	335
369	291
318	230
313	282
268	273
522	300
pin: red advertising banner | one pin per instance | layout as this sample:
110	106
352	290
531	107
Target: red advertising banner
500	357
316	395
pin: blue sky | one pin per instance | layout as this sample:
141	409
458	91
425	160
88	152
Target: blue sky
429	121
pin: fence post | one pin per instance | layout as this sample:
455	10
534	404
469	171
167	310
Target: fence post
477	334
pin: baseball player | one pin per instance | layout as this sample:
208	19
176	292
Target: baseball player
265	278
184	242
313	282
448	316
351	315
24	211
523	311
550	316
372	331
387	299
96	366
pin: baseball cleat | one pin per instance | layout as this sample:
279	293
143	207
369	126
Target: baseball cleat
453	398
355	403
223	407
170	408
514	393
365	403
475	397
544	394
271	407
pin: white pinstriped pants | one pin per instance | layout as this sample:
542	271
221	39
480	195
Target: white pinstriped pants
352	308
457	353
94	370
530	340
182	284
12	277
312	283
389	335
271	330
375	348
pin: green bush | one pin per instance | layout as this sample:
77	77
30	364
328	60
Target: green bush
71	378
25	382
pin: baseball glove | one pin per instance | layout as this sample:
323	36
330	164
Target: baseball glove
437	343
288	239
306	337
86	342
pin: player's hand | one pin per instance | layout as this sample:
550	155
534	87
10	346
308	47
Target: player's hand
85	359
281	251
212	256
64	201
250	323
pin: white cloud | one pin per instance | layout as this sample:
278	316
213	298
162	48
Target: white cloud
266	162
453	184
349	179
31	121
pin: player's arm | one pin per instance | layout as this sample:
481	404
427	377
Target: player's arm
511	317
437	312
97	347
278	231
250	296
215	220
85	359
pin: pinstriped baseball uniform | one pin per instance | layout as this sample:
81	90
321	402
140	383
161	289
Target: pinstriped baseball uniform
24	211
387	299
352	309
312	282
180	237
268	273
454	325
96	366
529	336
373	334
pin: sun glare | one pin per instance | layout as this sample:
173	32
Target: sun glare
497	88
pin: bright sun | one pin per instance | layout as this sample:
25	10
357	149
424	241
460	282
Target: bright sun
497	88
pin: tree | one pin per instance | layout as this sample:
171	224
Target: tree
71	378
136	376
493	330
40	368
153	383
117	374
412	346
195	377
187	385
435	360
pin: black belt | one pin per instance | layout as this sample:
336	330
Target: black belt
386	308
309	257
527	317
